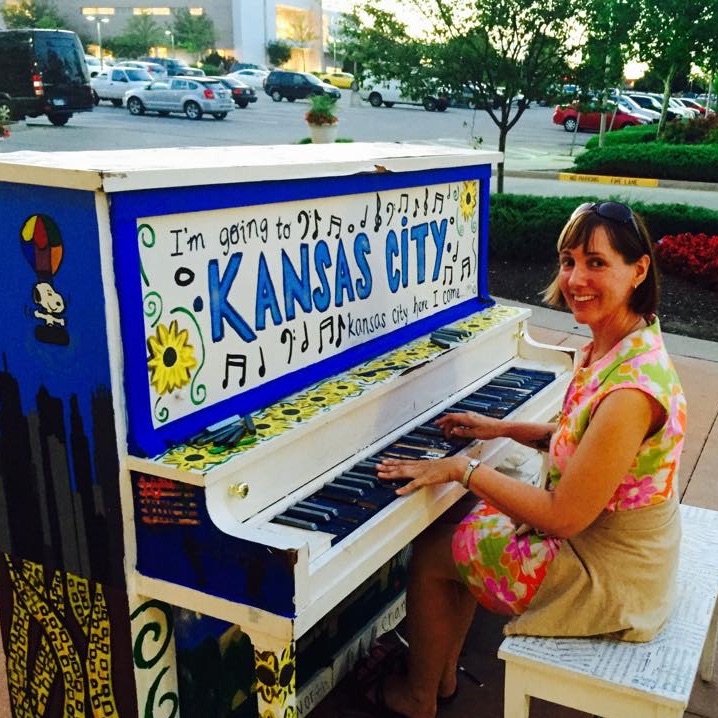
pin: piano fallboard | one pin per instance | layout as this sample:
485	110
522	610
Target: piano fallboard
408	387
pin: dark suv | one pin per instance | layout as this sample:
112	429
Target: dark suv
296	85
43	72
175	67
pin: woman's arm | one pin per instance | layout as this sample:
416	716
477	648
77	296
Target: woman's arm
602	459
471	425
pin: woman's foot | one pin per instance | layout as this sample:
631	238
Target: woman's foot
392	694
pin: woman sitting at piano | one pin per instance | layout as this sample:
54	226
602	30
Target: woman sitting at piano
594	551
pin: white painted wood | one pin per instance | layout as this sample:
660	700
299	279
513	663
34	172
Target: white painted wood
618	679
154	168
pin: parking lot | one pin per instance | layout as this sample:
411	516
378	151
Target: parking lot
268	122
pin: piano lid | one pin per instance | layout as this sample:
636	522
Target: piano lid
154	168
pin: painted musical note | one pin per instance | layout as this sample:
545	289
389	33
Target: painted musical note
305	218
404	199
328	323
390	211
305	342
377	216
362	223
235	361
439	199
287	337
262	366
335	221
456	251
448	272
317	220
426	201
465	266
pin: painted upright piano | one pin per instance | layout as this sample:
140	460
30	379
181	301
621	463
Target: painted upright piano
204	353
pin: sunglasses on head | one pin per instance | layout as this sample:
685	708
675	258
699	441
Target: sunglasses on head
615	211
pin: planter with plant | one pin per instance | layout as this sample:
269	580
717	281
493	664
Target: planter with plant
322	119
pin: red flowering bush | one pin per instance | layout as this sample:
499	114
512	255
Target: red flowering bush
693	256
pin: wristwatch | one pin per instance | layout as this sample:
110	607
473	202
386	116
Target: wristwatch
469	470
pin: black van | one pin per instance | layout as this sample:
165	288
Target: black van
43	72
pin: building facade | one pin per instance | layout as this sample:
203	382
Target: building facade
243	27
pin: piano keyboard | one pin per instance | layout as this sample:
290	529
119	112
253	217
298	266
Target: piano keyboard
342	505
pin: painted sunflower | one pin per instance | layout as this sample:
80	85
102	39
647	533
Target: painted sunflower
190	458
468	199
171	358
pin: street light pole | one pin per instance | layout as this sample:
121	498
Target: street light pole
171	36
98	22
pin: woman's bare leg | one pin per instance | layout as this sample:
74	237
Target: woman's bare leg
439	613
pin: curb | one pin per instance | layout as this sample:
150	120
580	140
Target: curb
565	176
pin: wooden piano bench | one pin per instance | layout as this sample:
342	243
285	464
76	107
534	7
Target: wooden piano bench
618	679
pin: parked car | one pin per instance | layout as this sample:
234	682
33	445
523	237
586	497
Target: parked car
236	66
174	66
154	69
112	84
650	102
390	93
691	104
192	96
253	78
344	80
296	86
590	120
241	94
43	72
632	107
94	66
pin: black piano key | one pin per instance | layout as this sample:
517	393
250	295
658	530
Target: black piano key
295	522
319	506
363	484
358	472
302	512
350	491
425	430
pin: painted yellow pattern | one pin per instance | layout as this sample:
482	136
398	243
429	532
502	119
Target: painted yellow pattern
276	676
39	601
324	395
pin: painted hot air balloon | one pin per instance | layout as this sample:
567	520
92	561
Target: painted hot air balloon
42	245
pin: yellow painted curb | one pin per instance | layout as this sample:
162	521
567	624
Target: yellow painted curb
606	179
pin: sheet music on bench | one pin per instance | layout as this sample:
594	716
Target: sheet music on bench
272	321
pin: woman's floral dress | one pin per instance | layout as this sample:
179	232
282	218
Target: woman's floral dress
504	570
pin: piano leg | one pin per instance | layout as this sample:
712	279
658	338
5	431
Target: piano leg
275	667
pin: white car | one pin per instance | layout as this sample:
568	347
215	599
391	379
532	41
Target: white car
390	93
157	71
112	84
253	78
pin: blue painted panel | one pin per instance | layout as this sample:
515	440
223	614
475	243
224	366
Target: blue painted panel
146	438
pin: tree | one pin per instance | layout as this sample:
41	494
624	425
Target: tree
506	53
278	52
141	34
669	32
33	13
194	33
303	35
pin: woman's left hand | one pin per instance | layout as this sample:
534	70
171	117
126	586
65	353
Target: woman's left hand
422	472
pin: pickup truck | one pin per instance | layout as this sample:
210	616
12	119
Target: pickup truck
390	93
113	83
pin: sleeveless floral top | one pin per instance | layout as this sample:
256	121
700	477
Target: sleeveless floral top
639	361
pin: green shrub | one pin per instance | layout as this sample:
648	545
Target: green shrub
626	136
527	226
697	163
213	70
